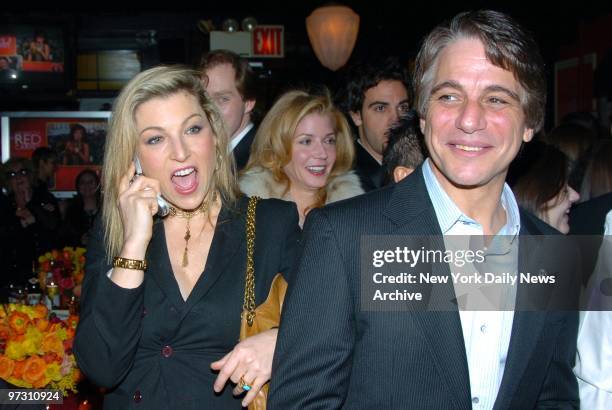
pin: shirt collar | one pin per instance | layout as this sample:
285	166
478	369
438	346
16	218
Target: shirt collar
236	140
449	214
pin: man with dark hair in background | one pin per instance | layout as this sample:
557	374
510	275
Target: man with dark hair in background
230	82
376	96
480	93
404	152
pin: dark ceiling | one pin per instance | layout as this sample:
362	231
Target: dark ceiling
387	28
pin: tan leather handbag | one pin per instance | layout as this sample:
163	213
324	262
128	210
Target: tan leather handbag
267	315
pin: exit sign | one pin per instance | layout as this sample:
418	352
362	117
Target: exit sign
269	41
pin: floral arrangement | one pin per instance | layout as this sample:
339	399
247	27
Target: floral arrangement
68	269
36	348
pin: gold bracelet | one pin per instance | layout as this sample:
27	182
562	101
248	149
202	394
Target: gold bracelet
119	262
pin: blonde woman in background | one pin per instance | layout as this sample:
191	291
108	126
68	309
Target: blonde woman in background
303	153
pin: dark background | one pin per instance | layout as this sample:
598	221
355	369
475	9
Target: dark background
167	32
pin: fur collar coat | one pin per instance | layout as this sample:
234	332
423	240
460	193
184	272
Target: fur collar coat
259	181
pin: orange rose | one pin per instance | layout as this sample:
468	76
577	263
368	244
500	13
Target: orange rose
33	370
18	370
51	357
19	322
41	382
6	367
76	374
40	311
42	324
5	331
54	327
51	343
72	321
70	333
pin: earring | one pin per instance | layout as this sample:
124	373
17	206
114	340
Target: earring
218	161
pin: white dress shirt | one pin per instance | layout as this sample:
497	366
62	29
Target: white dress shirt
594	360
486	334
239	137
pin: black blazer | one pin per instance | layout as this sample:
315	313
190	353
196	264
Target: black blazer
152	348
332	354
242	151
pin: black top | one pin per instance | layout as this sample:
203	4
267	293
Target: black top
77	223
152	348
370	172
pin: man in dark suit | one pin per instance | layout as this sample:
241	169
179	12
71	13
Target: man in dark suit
231	84
376	97
480	93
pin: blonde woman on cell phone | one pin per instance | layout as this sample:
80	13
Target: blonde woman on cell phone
163	294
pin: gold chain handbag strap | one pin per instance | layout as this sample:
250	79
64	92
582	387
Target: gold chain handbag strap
249	283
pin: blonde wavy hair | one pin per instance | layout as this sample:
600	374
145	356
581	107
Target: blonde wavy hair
273	142
121	141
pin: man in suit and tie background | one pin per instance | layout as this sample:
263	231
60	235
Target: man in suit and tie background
480	93
231	84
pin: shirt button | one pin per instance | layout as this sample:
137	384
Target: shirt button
475	400
137	397
166	351
483	328
144	312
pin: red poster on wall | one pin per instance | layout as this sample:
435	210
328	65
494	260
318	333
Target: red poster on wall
78	143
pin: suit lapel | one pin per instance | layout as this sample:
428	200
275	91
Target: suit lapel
527	325
227	240
162	272
228	237
411	211
242	151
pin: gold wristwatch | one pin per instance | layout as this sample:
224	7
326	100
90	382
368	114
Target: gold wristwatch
119	262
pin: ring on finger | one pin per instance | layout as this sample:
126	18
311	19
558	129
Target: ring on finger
244	386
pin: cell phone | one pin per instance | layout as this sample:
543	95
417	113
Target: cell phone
163	208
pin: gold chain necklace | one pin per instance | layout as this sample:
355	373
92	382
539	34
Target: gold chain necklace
188	215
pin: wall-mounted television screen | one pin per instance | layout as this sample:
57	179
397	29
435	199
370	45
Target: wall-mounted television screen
76	137
33	57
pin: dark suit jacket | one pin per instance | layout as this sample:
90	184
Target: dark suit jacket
242	151
333	354
370	172
152	348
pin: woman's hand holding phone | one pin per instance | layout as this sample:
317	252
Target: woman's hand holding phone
137	206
